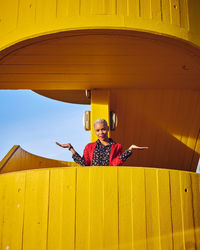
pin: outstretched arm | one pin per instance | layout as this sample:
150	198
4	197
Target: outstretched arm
67	145
133	147
76	157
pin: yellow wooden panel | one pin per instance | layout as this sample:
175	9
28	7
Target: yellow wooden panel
27	13
36	210
132	209
2	206
12	212
152	210
111	225
175	12
82	240
187	210
195	178
164	202
139	209
47	10
145	9
100	108
8	19
156	10
126	209
97	208
184	19
61	227
133	8
166	14
177	211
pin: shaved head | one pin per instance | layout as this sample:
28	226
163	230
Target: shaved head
104	122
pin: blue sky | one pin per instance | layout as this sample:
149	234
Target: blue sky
35	122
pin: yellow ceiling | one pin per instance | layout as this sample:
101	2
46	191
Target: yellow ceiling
80	60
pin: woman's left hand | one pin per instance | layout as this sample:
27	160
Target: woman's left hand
132	147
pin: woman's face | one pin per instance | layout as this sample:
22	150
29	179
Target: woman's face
101	131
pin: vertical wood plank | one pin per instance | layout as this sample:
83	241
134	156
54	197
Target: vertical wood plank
133	8
82	240
36	210
166	11
152	211
100	107
187	210
97	208
2	207
27	13
125	209
110	208
156	10
175	12
13	210
176	207
196	206
166	235
139	209
62	209
145	9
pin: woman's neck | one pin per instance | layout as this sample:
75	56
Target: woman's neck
105	142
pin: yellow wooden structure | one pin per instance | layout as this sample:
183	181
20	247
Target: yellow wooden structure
140	59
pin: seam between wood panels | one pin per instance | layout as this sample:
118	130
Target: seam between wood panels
47	233
161	10
139	6
170	195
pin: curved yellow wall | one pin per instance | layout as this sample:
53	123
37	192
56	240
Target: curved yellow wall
18	159
100	208
21	19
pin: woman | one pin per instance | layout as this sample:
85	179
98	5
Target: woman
103	152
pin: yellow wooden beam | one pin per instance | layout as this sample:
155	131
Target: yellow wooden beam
100	108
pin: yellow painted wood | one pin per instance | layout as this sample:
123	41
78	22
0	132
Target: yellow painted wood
7	157
18	159
12	204
62	207
28	19
100	108
35	228
132	209
100	208
152	211
139	209
82	240
2	207
177	211
164	120
196	206
164	203
125	209
97	199
187	210
111	223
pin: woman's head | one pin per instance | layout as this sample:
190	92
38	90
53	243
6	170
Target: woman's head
101	129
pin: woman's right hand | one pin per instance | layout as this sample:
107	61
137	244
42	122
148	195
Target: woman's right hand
67	145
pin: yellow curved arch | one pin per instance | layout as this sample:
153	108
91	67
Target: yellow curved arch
18	159
26	20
